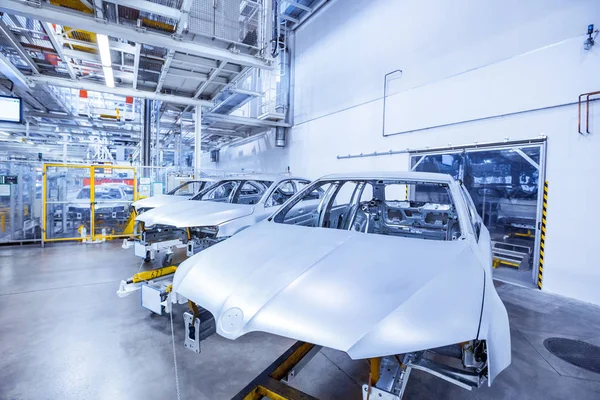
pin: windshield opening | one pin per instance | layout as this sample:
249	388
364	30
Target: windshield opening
187	188
385	207
235	191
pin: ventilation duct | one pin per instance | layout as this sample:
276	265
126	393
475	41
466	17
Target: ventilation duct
280	136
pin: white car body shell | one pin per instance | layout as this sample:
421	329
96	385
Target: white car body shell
101	205
366	294
167	199
230	218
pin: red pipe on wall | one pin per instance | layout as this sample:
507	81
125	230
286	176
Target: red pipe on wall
587	111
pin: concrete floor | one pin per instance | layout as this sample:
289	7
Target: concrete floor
64	334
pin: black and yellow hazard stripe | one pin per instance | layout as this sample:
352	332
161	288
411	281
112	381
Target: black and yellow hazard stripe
543	236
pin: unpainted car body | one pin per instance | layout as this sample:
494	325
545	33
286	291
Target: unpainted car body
384	274
111	201
219	211
185	191
518	213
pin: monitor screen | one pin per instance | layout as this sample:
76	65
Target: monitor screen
10	109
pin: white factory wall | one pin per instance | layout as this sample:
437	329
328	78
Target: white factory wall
461	60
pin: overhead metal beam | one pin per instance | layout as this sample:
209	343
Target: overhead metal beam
119	46
97	87
35	114
63	16
197	76
242	120
211	78
11	72
194	62
57	99
48	130
300	6
289	18
5	31
182	18
164	70
10	68
136	65
59	48
315	8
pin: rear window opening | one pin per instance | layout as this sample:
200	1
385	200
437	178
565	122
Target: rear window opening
386	207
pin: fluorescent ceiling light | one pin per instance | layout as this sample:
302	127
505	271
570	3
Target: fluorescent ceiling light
4	133
109	79
104	50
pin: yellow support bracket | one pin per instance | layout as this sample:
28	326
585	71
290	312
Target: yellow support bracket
268	384
152	274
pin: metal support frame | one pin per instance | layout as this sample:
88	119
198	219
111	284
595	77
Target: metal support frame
136	65
298	5
58	47
89	120
181	18
147	133
97	87
5	31
63	16
211	77
289	18
198	140
315	8
85	133
12	73
268	384
244	120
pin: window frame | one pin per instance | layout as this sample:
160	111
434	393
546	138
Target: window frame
336	183
275	185
202	187
472	214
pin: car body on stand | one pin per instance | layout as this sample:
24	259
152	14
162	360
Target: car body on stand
394	266
112	202
212	216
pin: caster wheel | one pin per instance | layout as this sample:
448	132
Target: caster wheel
147	258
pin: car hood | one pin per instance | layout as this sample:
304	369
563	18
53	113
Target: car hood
158	201
195	213
368	295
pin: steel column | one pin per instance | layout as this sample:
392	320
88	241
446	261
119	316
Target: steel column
147	133
197	139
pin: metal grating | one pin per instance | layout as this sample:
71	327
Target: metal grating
130	16
159	52
575	352
148	64
219	19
